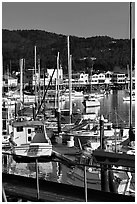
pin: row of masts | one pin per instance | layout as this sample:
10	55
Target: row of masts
22	64
57	101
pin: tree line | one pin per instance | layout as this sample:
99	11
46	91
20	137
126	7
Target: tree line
107	52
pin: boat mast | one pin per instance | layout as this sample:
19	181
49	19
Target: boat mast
23	77
131	64
58	83
39	80
70	85
21	80
35	76
58	94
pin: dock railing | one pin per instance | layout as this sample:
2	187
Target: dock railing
71	164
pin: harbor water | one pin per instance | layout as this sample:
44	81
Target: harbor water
112	107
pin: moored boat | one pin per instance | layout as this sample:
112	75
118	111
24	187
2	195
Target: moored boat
127	98
29	138
74	94
91	101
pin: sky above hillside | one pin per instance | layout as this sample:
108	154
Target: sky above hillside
82	19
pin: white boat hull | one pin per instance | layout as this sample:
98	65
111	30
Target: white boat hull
38	149
91	116
90	103
128	98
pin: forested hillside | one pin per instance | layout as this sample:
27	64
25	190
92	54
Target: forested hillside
108	52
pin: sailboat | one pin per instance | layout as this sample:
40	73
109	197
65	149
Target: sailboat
29	137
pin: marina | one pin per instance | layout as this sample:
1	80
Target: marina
68	138
63	172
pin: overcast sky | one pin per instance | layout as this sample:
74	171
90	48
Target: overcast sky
82	19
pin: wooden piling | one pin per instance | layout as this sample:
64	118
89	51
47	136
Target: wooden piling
37	178
85	182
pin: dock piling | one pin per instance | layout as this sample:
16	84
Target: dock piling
85	182
37	178
4	199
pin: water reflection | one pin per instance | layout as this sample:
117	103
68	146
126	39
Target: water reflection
117	111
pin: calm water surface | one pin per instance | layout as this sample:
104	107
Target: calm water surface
112	107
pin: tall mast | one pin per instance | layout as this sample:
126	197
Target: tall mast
70	85
21	80
23	77
58	82
131	63
35	75
39	80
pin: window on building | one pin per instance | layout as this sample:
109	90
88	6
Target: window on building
29	131
20	129
29	139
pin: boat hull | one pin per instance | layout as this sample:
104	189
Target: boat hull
128	99
33	150
91	103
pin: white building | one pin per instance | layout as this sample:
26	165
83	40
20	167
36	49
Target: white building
83	78
101	78
94	79
119	78
108	77
37	80
50	72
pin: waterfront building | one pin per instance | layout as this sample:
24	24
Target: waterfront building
94	79
108	77
40	79
101	78
118	78
128	79
49	74
83	78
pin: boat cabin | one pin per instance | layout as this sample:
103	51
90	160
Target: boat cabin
26	132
